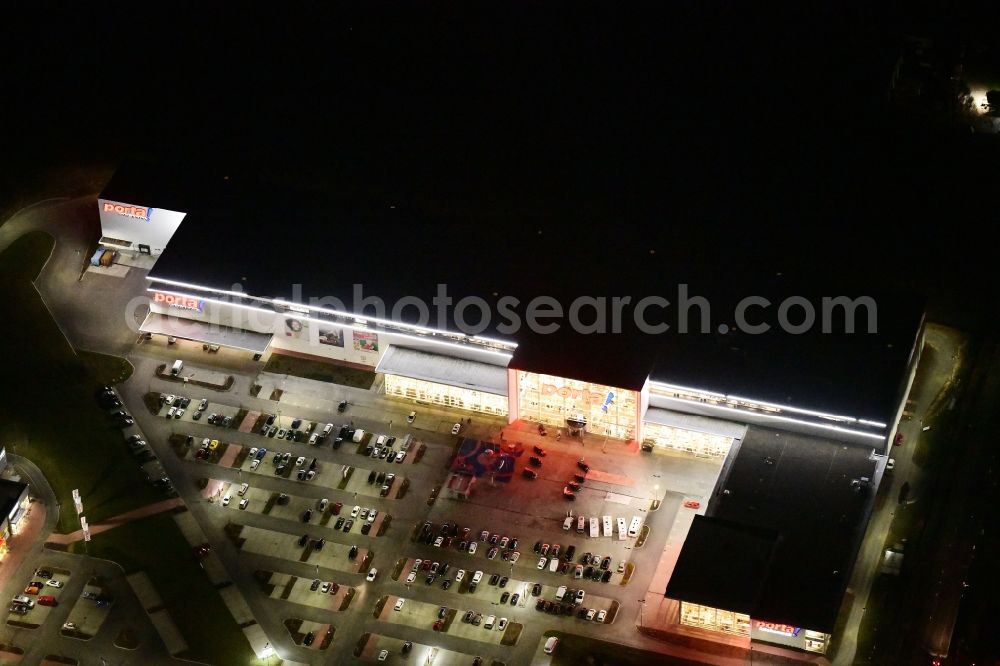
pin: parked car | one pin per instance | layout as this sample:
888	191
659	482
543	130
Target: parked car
410	417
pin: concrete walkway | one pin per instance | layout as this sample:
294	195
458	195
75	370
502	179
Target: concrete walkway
120	519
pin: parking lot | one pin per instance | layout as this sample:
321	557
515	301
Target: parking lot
325	595
424	615
285	518
89	612
334	556
31	608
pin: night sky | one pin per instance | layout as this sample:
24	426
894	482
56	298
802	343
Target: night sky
752	139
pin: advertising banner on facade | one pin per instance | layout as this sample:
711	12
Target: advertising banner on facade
365	341
332	336
296	329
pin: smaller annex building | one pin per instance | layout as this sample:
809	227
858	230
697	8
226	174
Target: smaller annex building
13	508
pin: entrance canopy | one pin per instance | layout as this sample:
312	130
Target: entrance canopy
211	334
459	372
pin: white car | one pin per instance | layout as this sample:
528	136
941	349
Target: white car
54	583
601	615
400	456
476	577
203	405
502	624
412	577
410	417
179	413
416	564
253	451
364	513
591	613
514	556
438	542
171	412
323	503
299	461
243	489
542	561
580	594
383	655
226	499
472	548
254	464
169	399
399	603
355	511
243	503
459	575
371	516
455	428
371	574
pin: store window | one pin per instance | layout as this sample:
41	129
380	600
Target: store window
448	396
697	443
715	619
607	410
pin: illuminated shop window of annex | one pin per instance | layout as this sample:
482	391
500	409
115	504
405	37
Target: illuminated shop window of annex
551	400
716	619
699	443
447	396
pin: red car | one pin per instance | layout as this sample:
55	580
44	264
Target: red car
337	507
692	504
898	440
438	625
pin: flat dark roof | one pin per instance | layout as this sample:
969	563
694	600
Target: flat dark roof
267	239
804	495
732	581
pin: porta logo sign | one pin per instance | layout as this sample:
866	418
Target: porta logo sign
782	629
182	302
588	397
138	212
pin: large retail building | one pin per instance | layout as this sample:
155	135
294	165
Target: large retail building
263	269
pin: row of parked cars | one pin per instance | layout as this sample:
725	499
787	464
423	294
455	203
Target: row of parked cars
298	431
307	469
382	479
472	617
592	566
108	398
178	405
23	603
568	608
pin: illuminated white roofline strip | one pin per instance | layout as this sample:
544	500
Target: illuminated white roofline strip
678	387
198	287
797	410
294	315
289	304
784	408
786	419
